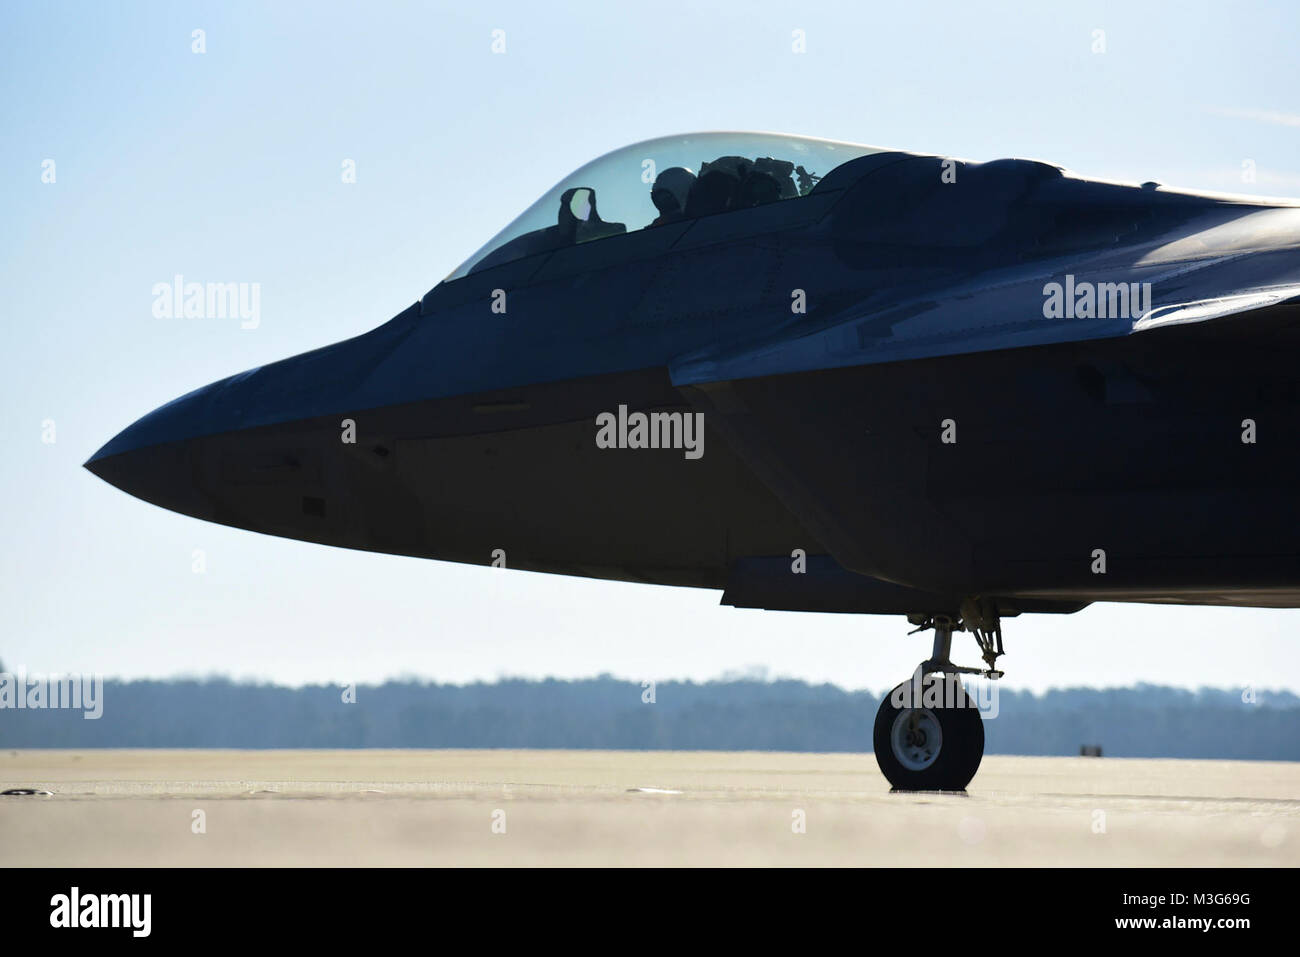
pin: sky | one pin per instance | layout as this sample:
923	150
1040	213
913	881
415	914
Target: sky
226	166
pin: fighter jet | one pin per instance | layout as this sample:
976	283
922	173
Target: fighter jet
814	375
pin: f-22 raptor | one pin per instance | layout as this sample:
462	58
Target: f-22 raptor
817	376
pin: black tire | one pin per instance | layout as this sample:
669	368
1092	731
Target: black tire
911	756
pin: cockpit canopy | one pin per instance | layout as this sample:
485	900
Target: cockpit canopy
664	181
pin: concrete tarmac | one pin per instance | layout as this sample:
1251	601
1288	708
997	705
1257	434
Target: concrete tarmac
491	808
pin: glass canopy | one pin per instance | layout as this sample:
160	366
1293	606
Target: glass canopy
664	181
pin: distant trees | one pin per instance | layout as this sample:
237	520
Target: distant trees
606	712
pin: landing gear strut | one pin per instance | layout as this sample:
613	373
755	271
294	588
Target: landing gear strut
928	734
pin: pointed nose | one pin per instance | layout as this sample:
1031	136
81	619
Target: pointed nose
244	451
179	419
166	456
154	458
159	474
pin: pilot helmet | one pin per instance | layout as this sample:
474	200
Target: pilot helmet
672	184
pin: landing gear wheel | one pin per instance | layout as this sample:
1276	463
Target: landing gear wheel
932	747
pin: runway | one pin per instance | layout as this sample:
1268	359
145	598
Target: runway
489	808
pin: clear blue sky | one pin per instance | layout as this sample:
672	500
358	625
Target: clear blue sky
225	166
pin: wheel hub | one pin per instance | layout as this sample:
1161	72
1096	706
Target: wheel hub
916	738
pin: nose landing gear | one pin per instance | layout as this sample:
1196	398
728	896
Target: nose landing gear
928	734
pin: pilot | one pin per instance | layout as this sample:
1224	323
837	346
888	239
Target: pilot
669	194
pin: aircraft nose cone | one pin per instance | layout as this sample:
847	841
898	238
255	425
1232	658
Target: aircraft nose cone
177	420
153	458
160	474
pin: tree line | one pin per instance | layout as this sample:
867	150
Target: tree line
608	712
